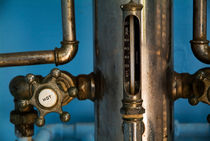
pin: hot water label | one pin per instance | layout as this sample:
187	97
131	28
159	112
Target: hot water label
47	98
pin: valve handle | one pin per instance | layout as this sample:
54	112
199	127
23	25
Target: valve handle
50	94
201	87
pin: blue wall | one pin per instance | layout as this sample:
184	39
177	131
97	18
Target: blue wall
27	25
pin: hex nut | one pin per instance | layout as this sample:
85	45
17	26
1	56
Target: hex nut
56	73
18	118
65	117
73	92
30	78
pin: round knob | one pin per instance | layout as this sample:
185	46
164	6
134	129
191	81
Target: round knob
40	122
47	98
30	78
65	117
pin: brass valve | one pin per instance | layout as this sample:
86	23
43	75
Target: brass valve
195	87
48	94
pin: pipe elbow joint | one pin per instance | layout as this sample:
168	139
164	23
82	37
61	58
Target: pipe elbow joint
201	50
66	53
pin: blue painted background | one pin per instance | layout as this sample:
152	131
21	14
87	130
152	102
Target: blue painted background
27	25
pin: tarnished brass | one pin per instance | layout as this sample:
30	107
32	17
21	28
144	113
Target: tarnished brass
132	110
48	94
199	44
59	56
86	87
195	87
24	120
181	85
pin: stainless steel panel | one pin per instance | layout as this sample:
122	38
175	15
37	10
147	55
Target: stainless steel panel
156	57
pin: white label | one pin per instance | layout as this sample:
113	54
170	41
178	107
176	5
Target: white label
47	98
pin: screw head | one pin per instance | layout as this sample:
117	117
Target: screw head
65	117
193	101
40	122
56	73
73	91
30	78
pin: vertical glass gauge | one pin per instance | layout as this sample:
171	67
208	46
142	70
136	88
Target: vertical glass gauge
131	54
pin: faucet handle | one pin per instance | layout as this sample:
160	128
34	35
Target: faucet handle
50	94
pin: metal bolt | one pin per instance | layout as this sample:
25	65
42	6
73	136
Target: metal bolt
56	73
73	91
40	122
193	101
65	117
30	78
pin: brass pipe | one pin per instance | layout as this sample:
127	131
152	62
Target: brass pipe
59	56
199	44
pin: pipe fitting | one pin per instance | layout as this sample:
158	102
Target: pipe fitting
66	53
59	56
201	50
199	44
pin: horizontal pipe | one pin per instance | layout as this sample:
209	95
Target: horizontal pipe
79	131
192	130
25	139
199	44
59	56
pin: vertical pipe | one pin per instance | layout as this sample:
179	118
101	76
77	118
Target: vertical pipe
68	20
199	44
199	19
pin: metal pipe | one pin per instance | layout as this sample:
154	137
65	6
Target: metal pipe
191	130
59	56
199	20
25	139
78	131
68	20
199	44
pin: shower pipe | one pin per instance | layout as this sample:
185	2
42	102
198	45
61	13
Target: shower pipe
58	56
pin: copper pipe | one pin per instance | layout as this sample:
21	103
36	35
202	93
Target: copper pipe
59	56
199	44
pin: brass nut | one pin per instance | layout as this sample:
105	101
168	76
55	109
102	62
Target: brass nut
18	118
30	78
56	73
